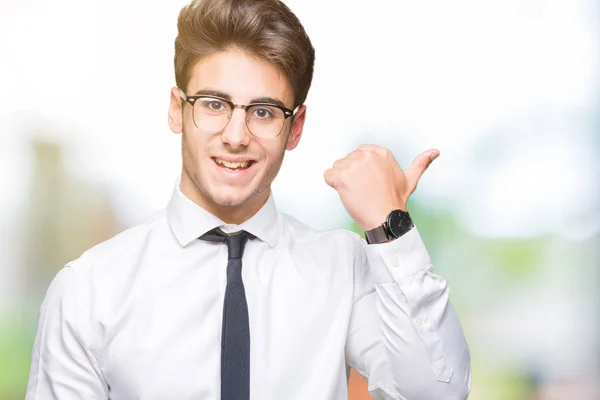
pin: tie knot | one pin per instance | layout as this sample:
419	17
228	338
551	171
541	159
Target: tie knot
236	242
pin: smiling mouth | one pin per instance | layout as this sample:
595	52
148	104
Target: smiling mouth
233	165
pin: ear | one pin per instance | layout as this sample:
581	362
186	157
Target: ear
176	111
297	127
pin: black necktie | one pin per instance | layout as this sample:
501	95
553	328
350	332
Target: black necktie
235	336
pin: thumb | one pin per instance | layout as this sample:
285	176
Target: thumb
416	169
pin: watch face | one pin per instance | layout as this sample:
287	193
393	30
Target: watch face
399	223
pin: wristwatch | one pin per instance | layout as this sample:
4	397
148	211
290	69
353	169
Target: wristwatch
397	224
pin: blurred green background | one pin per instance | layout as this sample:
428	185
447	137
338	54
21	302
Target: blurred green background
510	212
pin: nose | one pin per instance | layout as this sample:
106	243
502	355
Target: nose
236	132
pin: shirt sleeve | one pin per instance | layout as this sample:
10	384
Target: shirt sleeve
404	335
62	365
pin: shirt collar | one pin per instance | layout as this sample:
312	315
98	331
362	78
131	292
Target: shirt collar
189	221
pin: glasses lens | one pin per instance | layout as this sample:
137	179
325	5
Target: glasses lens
265	121
211	114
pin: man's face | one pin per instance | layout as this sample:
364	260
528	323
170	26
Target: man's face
205	178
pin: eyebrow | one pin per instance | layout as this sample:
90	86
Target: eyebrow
269	100
226	96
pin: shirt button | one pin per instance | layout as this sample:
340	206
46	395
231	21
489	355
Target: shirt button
394	261
421	321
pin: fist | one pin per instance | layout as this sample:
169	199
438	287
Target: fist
371	183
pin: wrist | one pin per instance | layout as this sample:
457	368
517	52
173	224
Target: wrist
397	223
376	219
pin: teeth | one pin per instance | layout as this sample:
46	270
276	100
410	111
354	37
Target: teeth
232	165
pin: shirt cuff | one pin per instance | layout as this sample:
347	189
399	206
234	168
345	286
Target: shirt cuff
403	257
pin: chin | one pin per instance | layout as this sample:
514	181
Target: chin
222	195
230	199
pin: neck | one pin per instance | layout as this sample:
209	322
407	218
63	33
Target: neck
234	214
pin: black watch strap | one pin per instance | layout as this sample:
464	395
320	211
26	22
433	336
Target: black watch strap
377	235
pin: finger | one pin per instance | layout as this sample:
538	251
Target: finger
354	154
416	169
329	176
382	151
368	147
362	154
341	163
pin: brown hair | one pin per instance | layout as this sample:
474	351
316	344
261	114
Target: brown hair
265	28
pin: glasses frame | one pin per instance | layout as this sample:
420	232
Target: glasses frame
192	100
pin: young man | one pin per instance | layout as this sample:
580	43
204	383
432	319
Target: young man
165	310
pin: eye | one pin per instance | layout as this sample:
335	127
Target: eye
215	105
212	105
263	112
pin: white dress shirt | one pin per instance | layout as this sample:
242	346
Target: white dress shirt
139	315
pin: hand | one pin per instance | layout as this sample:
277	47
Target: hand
371	183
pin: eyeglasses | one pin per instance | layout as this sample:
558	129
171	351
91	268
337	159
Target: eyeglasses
212	114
